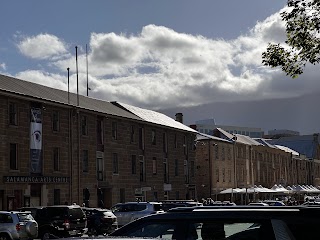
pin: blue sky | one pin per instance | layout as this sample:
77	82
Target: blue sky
150	54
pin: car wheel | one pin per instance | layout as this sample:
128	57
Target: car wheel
46	236
4	236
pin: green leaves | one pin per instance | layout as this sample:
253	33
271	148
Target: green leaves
303	38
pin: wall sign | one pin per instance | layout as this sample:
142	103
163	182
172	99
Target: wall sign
35	179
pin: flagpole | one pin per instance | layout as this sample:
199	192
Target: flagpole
68	87
77	76
87	71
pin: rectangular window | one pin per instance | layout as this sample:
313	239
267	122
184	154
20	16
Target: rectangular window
141	138
217	151
99	131
132	134
114	130
192	168
85	161
134	164
13	119
56	159
175	141
115	164
229	153
84	127
186	171
56	196
99	168
165	143
165	170
55	121
185	147
142	169
223	175
154	165
217	174
222	154
13	156
153	137
176	167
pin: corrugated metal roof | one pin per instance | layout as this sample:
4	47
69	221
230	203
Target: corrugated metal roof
203	136
219	132
25	88
264	142
305	144
156	117
289	150
246	140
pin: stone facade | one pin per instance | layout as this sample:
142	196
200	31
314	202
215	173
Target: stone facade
117	159
236	165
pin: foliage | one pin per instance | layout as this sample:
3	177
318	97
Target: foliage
303	38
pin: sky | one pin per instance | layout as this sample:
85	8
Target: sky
150	54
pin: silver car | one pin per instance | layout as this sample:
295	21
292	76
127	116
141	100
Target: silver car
17	226
129	211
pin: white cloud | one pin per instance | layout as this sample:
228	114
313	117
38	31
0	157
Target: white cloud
44	78
161	68
3	66
42	46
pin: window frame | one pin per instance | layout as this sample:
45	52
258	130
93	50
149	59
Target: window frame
134	164
154	165
55	121
100	168
142	169
13	115
84	125
115	163
114	130
153	137
56	159
165	170
85	161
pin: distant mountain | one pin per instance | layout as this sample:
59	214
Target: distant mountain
300	114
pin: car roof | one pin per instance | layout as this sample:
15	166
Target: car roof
138	203
230	214
64	206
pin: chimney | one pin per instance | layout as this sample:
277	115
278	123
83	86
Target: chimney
179	117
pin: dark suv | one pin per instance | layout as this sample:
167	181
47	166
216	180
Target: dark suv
59	221
227	222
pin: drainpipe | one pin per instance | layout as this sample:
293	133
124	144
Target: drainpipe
70	155
79	162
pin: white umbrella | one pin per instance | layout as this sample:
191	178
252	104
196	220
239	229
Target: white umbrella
231	190
266	190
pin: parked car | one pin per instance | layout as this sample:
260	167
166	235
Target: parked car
168	204
274	203
100	221
16	225
227	222
59	221
129	211
258	204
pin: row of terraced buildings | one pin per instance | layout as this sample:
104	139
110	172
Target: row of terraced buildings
58	147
